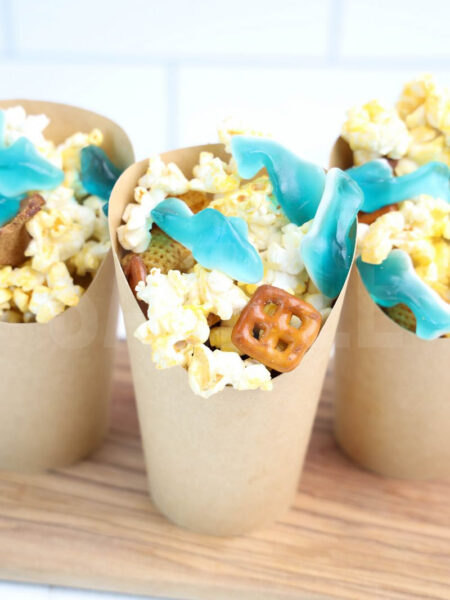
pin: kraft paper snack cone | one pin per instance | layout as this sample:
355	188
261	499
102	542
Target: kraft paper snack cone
55	378
230	463
392	388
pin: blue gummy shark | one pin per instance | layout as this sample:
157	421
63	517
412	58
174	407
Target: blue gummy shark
22	169
98	173
395	281
328	247
216	241
2	129
381	187
297	184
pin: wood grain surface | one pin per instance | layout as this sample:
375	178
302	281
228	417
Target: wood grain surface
350	534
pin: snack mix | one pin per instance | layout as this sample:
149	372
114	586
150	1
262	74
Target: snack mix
402	158
53	229
217	267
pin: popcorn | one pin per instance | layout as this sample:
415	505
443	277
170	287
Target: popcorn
216	293
253	202
48	301
69	158
179	304
186	310
167	178
159	181
374	130
89	258
423	103
230	127
21	300
380	237
18	124
283	266
69	235
211	371
135	234
174	324
213	175
416	132
5	299
421	227
59	230
39	296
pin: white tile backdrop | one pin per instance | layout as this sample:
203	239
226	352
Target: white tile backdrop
169	70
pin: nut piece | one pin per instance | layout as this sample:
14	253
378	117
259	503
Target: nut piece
135	271
267	331
14	237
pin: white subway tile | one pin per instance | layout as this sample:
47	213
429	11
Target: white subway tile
135	97
304	109
173	28
393	30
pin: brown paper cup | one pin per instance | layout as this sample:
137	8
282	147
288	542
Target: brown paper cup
55	378
231	463
392	388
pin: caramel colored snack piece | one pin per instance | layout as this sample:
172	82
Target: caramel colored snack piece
213	319
195	200
14	237
369	218
265	329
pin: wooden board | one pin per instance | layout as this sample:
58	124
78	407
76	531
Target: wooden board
350	534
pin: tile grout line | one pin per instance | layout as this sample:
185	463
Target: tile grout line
227	62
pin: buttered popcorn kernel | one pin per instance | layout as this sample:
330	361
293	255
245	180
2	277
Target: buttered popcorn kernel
69	235
18	124
414	132
191	310
374	130
231	126
211	371
213	175
420	227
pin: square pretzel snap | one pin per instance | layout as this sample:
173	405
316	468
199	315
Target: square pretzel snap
265	330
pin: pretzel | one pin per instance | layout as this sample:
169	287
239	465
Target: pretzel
370	217
14	237
269	336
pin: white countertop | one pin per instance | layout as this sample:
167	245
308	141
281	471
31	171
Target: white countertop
21	591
